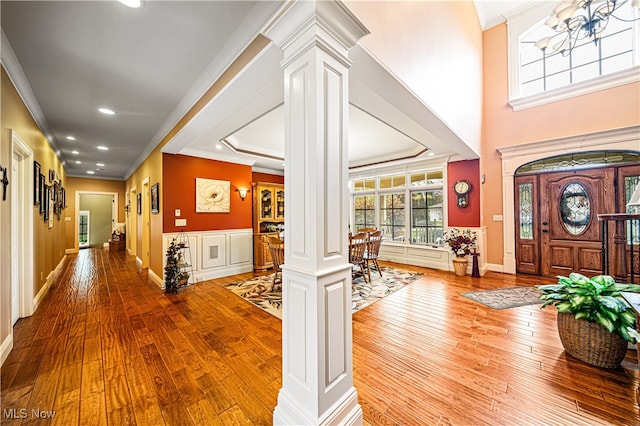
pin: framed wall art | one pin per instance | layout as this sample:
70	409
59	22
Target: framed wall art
212	196
155	198
44	205
139	203
42	188
36	183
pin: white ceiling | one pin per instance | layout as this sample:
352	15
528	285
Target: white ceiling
151	64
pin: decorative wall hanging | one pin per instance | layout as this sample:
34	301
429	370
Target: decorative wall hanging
42	187
139	204
53	176
5	182
212	196
44	205
155	198
36	183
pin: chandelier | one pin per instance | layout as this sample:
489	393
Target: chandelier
578	20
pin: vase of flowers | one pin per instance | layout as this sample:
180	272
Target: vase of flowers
462	242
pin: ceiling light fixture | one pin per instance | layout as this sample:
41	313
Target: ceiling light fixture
78	162
131	3
100	164
106	111
71	138
91	172
581	19
75	152
103	148
218	146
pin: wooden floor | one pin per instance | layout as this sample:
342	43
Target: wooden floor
108	347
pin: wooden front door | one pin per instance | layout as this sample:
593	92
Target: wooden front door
570	202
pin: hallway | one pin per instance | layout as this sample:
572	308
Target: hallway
108	347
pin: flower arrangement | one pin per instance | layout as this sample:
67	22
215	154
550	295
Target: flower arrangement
462	242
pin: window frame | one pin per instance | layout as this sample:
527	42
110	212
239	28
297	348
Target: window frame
406	191
520	23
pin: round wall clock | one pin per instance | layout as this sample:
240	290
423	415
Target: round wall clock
462	189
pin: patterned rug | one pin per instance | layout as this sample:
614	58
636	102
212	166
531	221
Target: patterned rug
261	292
504	298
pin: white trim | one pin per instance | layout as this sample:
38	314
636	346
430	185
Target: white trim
6	347
53	275
19	147
620	78
514	156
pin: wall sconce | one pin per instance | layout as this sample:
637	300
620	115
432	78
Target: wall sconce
243	192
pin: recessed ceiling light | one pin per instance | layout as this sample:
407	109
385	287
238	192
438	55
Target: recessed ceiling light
431	154
218	146
75	152
78	162
103	148
100	164
71	138
106	111
131	3
91	172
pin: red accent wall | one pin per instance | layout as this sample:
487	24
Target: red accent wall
464	216
264	177
179	192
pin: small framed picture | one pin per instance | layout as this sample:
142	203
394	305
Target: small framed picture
36	183
45	203
139	203
42	188
155	198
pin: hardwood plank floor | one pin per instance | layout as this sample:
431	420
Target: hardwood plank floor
107	347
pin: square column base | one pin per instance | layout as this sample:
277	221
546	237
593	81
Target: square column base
346	411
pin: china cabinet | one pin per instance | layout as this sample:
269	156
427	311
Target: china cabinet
268	219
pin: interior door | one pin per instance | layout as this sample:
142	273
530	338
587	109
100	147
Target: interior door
570	231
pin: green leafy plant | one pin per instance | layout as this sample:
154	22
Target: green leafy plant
595	299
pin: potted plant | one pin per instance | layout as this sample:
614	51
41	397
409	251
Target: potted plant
175	278
462	243
594	321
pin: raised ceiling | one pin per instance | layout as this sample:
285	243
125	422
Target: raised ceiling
150	65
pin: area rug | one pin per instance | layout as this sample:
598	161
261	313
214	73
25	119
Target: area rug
504	298
261	292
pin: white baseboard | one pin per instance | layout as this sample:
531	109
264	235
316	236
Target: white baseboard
5	348
495	267
222	272
47	285
156	279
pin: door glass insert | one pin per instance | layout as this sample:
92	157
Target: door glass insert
575	208
526	211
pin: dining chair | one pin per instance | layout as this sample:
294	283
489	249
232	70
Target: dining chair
367	230
371	255
276	248
357	248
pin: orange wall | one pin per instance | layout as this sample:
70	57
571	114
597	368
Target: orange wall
89	185
607	109
464	216
180	173
435	48
265	177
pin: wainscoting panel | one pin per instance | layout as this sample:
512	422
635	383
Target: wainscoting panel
217	254
240	248
213	251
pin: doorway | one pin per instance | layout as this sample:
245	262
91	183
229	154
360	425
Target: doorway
556	216
84	229
22	283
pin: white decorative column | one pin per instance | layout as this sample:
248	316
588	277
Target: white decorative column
317	372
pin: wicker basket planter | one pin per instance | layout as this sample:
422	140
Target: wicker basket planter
590	342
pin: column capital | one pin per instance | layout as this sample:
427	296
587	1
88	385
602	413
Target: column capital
329	25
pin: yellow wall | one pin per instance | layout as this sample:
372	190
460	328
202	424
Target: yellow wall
435	49
607	109
88	185
48	243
